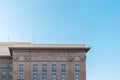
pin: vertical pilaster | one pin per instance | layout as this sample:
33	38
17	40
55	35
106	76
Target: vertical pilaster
70	70
83	70
15	70
27	71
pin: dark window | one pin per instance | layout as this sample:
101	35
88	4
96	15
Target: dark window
11	65
77	67
77	76
34	67
44	67
21	68
21	76
34	76
54	67
63	76
4	73
10	73
54	77
63	67
44	76
3	65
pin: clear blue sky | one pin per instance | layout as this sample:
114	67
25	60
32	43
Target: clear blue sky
95	23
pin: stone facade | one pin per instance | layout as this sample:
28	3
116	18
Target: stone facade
70	56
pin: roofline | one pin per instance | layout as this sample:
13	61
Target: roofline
48	48
4	55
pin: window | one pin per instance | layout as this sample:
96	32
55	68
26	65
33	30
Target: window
11	65
4	73
10	73
54	77
34	67
34	76
21	67
44	76
53	67
21	76
63	67
63	77
77	76
77	67
3	65
44	67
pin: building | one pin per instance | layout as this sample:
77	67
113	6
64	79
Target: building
26	61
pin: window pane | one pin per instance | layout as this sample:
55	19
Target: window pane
11	73
44	67
21	76
63	77
21	67
3	65
34	76
4	73
53	67
44	76
54	77
11	65
63	67
77	76
34	67
77	67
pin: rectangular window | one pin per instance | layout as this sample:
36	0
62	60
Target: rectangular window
44	67
11	65
21	68
3	65
63	67
35	76
54	77
77	67
4	73
34	67
63	76
77	76
54	67
10	73
44	76
20	76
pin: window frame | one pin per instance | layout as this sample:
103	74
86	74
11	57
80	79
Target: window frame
78	76
35	67
10	73
44	76
11	65
21	67
35	76
4	65
63	78
54	77
77	67
54	68
63	67
21	76
44	67
4	74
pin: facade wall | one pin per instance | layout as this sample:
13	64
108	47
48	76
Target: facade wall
5	68
27	55
49	57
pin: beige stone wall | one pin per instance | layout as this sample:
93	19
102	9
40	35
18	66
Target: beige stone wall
29	54
15	70
27	70
49	57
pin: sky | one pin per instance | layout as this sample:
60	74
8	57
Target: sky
95	23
